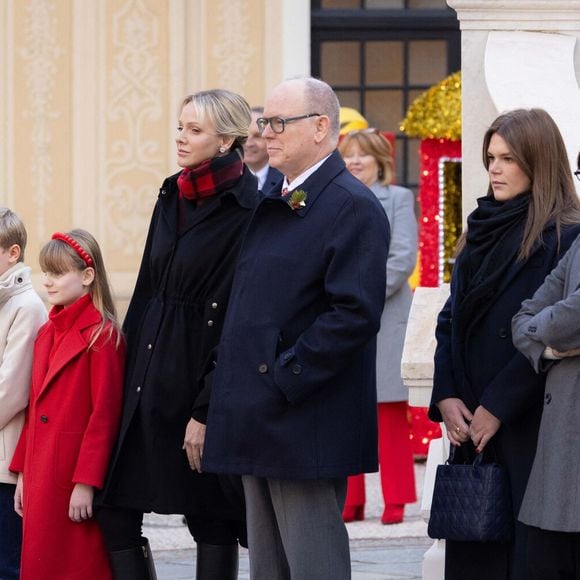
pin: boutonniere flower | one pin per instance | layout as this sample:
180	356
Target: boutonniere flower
297	199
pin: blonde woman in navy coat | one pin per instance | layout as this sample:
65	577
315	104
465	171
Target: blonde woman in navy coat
484	390
368	156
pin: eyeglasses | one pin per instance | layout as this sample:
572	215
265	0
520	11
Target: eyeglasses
577	174
278	124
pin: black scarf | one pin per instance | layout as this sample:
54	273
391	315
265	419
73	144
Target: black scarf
495	231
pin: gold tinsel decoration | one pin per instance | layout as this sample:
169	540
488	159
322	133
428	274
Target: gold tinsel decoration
451	199
436	114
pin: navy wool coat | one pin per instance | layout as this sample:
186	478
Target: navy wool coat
172	326
294	393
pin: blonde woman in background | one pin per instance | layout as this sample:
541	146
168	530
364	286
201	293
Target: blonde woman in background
368	156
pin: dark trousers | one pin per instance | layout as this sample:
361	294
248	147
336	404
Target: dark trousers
122	529
10	534
553	555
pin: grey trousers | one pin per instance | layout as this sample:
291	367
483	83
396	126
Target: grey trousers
295	529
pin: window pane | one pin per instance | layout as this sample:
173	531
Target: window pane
439	4
384	63
427	61
340	63
384	109
340	4
349	99
384	4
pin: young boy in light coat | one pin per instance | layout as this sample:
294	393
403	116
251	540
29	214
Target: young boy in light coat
22	313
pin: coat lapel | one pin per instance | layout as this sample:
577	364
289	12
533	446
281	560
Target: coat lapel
318	181
72	344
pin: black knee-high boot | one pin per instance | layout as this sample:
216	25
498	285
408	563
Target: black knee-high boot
133	563
217	562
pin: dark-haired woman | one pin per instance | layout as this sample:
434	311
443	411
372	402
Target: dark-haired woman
485	390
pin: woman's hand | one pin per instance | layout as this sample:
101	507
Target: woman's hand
484	426
193	443
19	496
456	417
567	353
81	503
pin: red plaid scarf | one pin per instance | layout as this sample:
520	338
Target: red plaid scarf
210	177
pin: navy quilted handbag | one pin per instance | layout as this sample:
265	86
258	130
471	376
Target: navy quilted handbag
471	503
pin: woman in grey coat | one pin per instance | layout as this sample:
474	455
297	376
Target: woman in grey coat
547	331
368	156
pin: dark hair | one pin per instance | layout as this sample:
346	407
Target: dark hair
536	144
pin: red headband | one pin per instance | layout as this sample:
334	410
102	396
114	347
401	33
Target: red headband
75	246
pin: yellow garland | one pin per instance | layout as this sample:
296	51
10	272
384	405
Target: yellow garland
436	114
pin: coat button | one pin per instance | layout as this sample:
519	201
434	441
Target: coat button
214	305
503	333
297	369
149	346
532	328
548	398
44	419
138	389
263	368
210	322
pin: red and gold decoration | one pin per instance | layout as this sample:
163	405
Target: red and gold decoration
435	118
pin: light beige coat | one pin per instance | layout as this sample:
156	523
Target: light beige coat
22	313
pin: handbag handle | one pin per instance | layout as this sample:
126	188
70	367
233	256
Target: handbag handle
477	461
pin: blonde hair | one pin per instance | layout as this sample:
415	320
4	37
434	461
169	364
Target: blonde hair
537	147
371	142
228	112
12	231
58	257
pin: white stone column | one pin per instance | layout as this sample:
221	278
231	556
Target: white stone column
516	53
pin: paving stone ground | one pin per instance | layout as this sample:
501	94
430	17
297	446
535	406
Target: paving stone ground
378	552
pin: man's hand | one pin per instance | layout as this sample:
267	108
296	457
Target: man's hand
81	503
484	426
456	417
193	443
19	496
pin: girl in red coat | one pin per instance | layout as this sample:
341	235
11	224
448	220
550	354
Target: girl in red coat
73	416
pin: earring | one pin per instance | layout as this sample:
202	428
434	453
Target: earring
222	149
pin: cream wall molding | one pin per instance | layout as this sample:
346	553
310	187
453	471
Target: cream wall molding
38	57
546	15
482	20
7	103
522	69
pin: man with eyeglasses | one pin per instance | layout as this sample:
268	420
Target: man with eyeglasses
293	406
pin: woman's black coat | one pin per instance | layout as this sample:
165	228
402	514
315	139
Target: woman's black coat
496	375
172	327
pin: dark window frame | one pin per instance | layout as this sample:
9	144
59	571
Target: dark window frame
406	25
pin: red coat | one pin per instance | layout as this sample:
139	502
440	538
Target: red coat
70	429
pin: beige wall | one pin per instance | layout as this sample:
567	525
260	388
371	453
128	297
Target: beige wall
89	92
